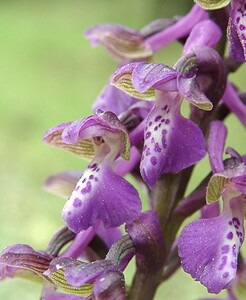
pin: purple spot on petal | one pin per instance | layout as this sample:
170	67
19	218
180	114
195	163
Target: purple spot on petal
234	250
233	265
236	220
91	177
223	263
230	223
77	202
226	274
162	120
77	187
152	140
148	152
157	118
230	235
225	249
156	127
86	189
157	148
167	121
241	27
148	134
150	123
95	179
153	160
84	180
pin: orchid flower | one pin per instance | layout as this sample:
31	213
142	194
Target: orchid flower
236	30
172	142
100	193
209	247
126	44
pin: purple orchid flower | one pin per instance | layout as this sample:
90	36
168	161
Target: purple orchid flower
209	247
100	194
172	142
128	44
236	30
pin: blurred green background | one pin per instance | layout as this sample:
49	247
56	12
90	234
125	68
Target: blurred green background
49	75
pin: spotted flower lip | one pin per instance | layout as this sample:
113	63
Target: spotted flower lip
209	247
236	30
100	194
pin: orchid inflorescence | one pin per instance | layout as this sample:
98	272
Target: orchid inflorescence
137	128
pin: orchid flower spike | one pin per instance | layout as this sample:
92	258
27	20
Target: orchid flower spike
100	193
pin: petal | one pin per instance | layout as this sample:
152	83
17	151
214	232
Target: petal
87	273
62	184
191	91
234	103
110	287
53	137
102	195
122	79
105	125
121	42
56	274
159	76
113	99
205	33
216	144
208	248
109	235
172	143
237	30
22	256
178	30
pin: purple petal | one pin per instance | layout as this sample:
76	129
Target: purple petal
172	143
110	287
87	273
178	30
114	100
105	125
234	103
21	256
102	195
53	137
109	235
216	144
121	42
205	33
210	211
62	184
237	30
148	238
208	248
123	167
191	91
159	76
